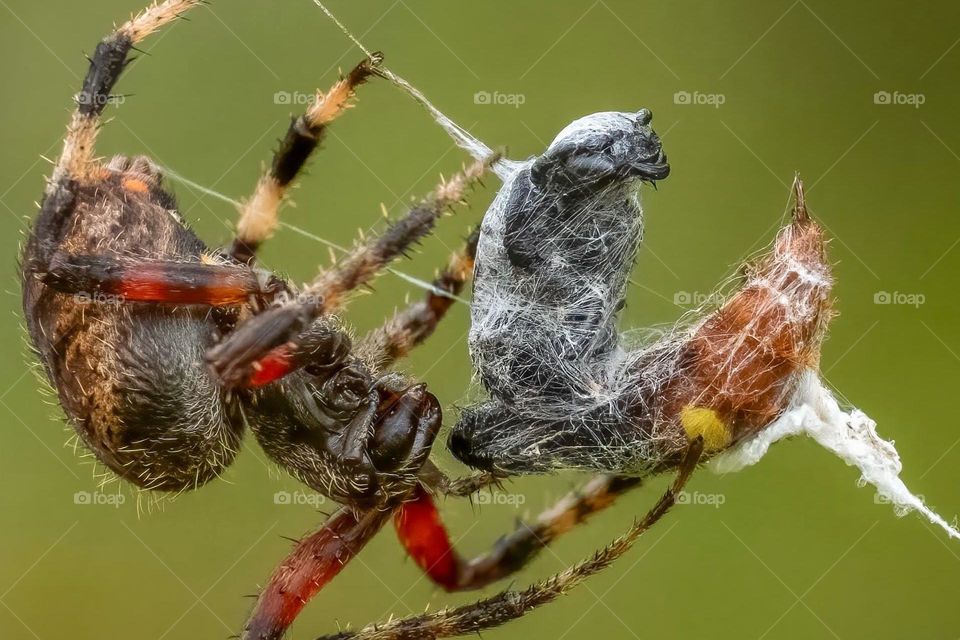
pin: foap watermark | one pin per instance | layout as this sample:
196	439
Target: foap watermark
696	298
899	298
879	498
697	98
99	499
98	297
89	99
499	498
715	500
298	98
496	98
899	98
299	498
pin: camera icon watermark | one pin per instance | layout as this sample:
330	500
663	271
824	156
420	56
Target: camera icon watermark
897	98
697	98
99	499
515	100
899	298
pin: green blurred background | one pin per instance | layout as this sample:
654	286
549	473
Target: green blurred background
796	550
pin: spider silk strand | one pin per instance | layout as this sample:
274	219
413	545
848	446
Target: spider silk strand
417	282
503	168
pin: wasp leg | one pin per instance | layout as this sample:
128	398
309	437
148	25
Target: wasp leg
509	605
107	279
414	324
328	291
259	214
426	540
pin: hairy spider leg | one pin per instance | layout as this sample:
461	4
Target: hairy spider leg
112	280
270	341
509	604
412	325
418	526
309	568
395	339
366	261
315	561
77	163
259	215
423	535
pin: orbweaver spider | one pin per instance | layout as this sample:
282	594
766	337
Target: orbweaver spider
184	345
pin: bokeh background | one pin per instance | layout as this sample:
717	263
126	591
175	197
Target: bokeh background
861	99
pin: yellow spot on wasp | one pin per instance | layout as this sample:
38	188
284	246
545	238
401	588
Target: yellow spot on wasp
702	421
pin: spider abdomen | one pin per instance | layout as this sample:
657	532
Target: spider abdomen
131	377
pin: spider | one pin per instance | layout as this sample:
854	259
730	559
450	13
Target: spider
162	349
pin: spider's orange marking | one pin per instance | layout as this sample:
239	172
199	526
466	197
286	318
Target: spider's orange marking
424	537
135	185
